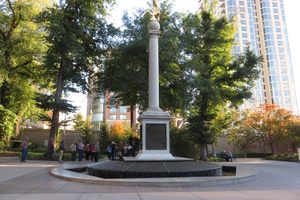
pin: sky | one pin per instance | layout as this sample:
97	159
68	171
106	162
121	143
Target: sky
292	18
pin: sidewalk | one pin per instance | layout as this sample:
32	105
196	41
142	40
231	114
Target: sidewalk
31	180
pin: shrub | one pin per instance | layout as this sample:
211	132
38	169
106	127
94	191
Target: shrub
182	145
258	155
284	157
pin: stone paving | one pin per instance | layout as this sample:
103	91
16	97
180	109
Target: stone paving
31	180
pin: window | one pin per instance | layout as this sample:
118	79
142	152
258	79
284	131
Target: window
112	109
284	78
113	117
244	35
123	109
123	117
286	93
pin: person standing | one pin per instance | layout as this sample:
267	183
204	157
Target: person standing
61	150
87	151
73	149
97	153
108	150
92	151
24	149
51	150
80	151
113	150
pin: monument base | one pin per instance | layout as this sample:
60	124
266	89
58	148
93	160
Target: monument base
157	155
155	134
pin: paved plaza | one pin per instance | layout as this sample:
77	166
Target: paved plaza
31	181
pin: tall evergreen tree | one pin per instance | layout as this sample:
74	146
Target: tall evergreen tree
78	36
215	78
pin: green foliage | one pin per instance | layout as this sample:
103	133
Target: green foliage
7	123
78	37
84	127
284	157
2	146
182	144
104	137
127	70
216	79
21	49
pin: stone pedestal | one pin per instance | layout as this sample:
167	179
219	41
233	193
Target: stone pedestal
155	136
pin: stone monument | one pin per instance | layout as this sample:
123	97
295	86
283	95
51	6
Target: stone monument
155	129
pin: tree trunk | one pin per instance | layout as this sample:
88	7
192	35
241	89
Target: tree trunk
133	117
57	99
213	150
203	153
271	147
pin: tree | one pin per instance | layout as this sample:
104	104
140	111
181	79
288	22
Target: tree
243	134
8	120
84	127
294	134
268	125
104	137
127	68
78	37
215	78
21	49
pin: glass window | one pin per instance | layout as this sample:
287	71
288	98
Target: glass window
284	77
112	109
97	117
286	93
281	50
287	100
113	117
278	30
243	22
244	35
123	117
123	109
279	36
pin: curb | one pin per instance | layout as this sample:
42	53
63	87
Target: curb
243	175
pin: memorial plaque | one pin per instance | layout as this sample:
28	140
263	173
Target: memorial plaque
156	137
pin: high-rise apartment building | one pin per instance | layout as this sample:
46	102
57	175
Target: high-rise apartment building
261	24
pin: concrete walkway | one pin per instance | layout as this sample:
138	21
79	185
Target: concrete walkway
31	180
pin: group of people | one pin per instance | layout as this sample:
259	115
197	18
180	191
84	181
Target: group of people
78	150
121	149
90	151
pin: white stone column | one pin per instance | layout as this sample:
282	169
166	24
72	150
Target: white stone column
155	138
153	87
